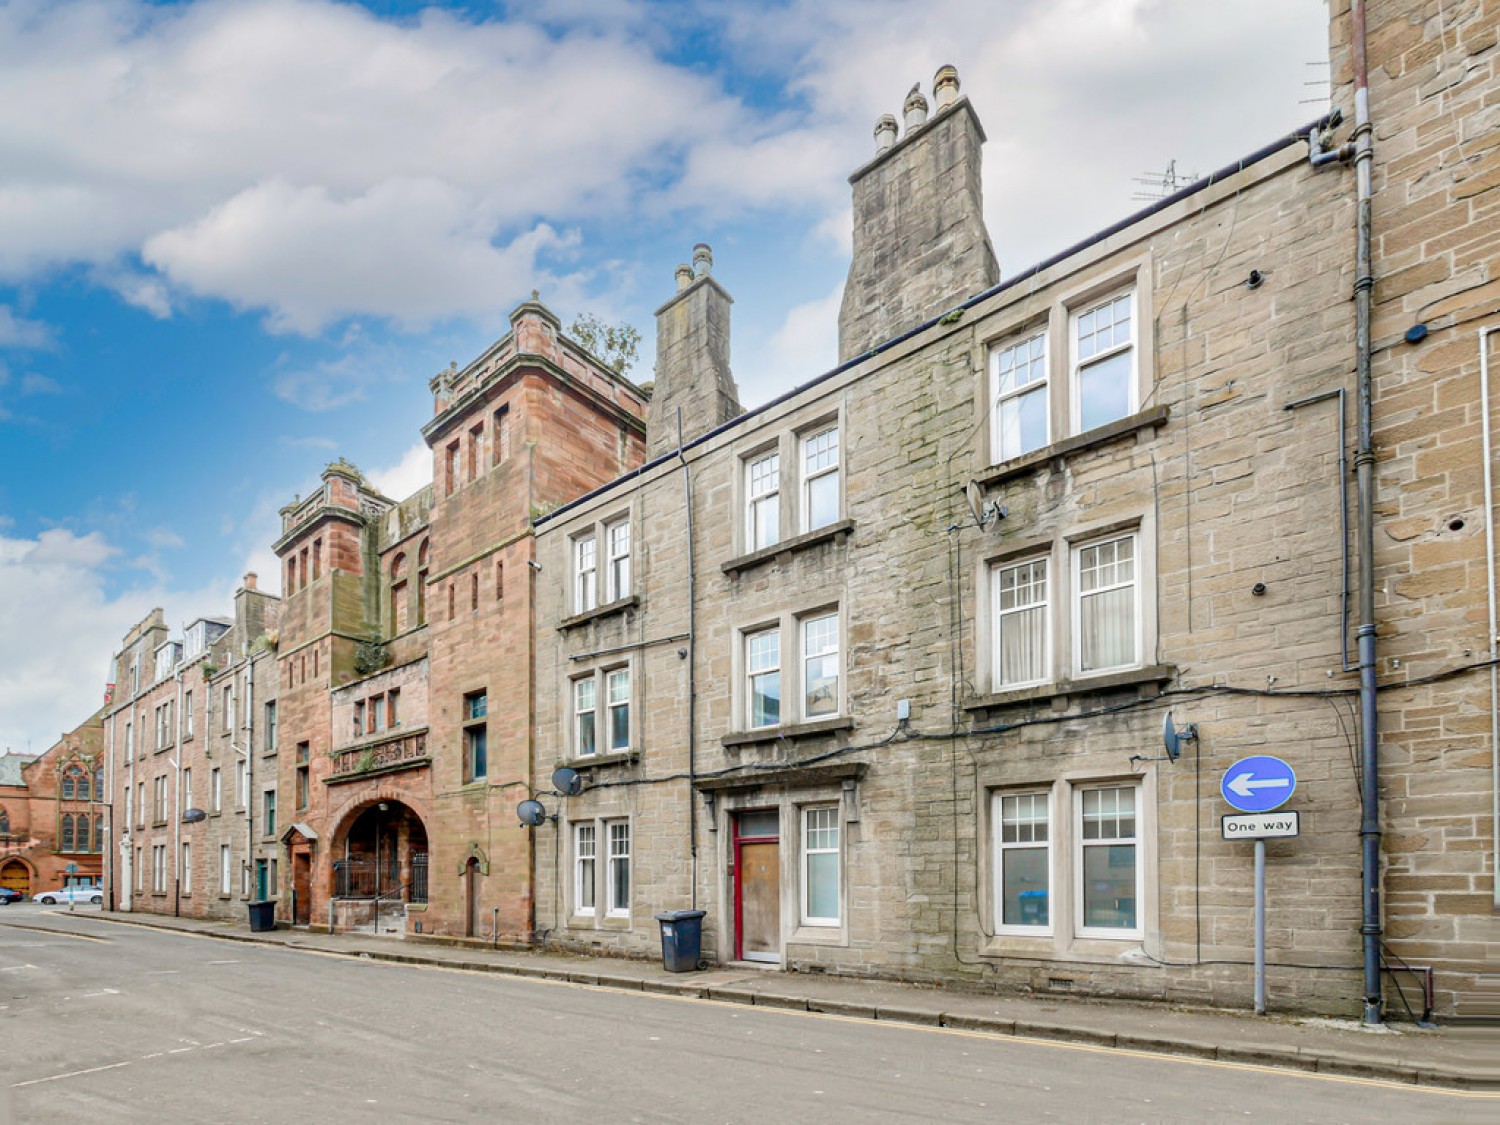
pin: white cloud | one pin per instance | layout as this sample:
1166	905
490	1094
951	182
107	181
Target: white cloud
34	384
17	332
62	626
413	470
804	347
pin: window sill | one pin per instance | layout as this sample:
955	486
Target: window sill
1151	419
788	730
1062	689
590	761
158	824
788	547
608	609
416	908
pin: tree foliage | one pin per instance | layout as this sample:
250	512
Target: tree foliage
618	345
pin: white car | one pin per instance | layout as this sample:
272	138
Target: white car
71	894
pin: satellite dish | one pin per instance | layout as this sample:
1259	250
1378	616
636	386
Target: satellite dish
567	782
193	816
531	813
1172	738
984	511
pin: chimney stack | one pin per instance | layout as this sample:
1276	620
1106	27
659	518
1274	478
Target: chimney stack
250	580
692	359
920	244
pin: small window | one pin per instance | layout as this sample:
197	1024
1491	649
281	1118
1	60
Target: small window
476	736
226	870
820	666
583	868
474	591
1021	631
1018	397
617	542
215	790
359	718
1109	884
476	451
271	729
1107	611
820	866
185	874
763	502
763	671
584	717
585	587
619	868
499	581
1104	362
268	812
450	469
1023	862
820	479
501	441
187	714
393	707
618	685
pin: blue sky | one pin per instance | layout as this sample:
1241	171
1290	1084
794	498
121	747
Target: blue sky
236	239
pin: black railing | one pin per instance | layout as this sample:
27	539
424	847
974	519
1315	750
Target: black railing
419	877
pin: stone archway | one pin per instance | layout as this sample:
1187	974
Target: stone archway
379	858
15	874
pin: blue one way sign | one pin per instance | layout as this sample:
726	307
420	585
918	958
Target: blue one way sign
1258	784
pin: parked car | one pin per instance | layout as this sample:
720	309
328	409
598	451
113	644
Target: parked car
71	894
9	895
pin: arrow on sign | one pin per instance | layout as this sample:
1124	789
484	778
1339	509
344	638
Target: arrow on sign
1242	785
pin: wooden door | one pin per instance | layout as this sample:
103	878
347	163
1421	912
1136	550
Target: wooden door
301	887
757	886
16	876
472	925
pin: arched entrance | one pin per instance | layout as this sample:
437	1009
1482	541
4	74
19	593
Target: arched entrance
15	876
381	861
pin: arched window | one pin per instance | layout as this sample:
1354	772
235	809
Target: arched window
65	834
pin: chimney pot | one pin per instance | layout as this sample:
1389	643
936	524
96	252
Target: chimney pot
250	580
945	86
684	276
915	109
885	133
703	259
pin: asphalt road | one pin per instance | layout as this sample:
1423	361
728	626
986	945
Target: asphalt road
108	1022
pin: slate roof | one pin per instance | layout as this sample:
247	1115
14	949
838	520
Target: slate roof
10	767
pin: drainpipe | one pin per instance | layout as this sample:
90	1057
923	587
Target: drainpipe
1488	469
177	802
687	494
1364	467
108	858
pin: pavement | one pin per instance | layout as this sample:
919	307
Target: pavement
1465	1058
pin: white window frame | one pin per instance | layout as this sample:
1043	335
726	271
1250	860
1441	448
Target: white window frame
616	833
754	673
998	616
1135	840
585	868
585	573
585	716
187	714
763	495
159	868
228	707
616	700
269	823
818	464
185	794
1076	551
1028	351
185	872
617	537
831	645
1077	365
830	813
216	790
241	783
226	870
1001	846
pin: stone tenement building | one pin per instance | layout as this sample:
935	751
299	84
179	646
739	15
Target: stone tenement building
885	689
190	738
52	817
877	674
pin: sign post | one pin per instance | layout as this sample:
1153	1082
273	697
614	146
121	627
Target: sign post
1258	785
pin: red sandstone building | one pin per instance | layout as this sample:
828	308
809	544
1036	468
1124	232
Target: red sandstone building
404	654
52	814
